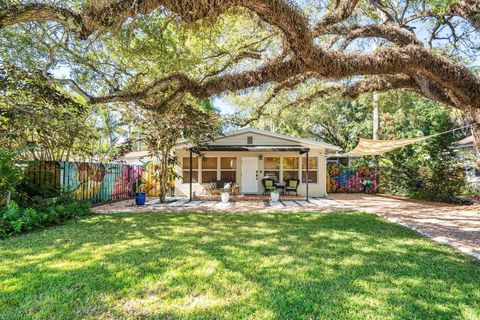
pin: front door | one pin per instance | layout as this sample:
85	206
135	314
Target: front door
249	175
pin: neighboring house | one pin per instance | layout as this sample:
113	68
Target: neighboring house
472	160
246	156
136	158
466	145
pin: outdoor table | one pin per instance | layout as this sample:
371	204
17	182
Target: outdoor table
281	186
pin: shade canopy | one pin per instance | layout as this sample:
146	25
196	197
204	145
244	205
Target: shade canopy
368	147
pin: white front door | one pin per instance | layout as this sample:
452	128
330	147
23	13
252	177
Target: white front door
249	175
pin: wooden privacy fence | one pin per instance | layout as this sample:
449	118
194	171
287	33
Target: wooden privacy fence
341	179
95	182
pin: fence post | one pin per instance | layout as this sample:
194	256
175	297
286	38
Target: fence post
8	198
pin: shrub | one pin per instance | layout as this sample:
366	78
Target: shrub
33	219
10	175
14	220
12	213
430	170
53	216
77	209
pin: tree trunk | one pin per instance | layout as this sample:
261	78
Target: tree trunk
163	175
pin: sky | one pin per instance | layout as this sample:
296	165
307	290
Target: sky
223	105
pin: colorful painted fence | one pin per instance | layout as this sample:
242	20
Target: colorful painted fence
342	179
95	182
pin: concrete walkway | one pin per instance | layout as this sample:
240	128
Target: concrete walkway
207	206
457	226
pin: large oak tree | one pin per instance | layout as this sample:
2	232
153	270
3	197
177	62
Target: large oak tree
423	45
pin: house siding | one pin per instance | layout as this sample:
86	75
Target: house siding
258	139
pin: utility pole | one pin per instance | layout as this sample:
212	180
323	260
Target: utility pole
376	108
376	115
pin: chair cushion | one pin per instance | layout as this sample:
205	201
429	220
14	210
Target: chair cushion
292	183
269	183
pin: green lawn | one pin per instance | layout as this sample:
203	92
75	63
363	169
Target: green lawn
230	266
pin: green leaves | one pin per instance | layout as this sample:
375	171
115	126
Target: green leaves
10	175
35	111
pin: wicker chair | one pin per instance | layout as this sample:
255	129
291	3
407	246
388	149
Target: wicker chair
291	185
268	184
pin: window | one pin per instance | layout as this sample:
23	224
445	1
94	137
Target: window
228	169
249	140
209	169
312	169
186	169
272	167
290	168
342	161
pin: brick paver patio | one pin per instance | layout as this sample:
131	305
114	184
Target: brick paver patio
458	226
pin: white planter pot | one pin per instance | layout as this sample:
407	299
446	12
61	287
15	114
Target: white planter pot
225	197
274	196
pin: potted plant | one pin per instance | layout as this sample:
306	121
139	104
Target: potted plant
225	195
274	195
140	197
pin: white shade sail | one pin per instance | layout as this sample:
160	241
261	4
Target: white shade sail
368	147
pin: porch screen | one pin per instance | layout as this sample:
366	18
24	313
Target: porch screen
186	169
209	169
228	169
312	169
272	167
290	168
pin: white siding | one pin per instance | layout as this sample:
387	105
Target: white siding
258	139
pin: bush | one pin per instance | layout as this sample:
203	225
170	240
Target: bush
32	219
431	171
10	175
12	213
15	220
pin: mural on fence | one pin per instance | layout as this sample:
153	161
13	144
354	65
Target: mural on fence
150	180
351	179
97	182
103	182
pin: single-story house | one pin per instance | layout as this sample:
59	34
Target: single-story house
247	156
136	158
468	153
466	145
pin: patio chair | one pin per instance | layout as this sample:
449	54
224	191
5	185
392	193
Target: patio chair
291	185
268	184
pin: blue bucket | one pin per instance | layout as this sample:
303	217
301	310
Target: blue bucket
140	198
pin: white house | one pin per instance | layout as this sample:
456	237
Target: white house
466	147
136	158
247	156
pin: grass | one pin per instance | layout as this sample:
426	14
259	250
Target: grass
231	266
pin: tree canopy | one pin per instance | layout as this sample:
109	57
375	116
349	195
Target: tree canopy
157	53
422	46
35	112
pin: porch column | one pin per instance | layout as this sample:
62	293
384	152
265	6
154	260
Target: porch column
307	177
191	175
